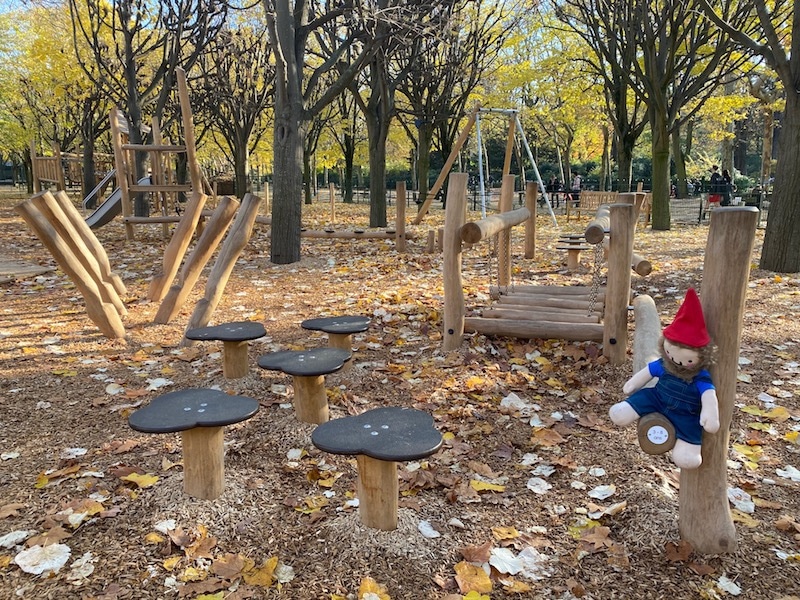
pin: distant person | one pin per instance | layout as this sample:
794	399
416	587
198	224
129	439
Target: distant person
553	189
727	188
575	188
715	187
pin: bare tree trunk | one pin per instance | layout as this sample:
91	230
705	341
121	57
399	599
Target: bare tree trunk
287	184
660	146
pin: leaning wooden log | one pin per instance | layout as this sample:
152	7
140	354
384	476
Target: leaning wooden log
176	249
549	290
90	239
454	216
531	314
646	333
102	314
51	210
232	247
538	330
209	240
352	234
705	519
475	231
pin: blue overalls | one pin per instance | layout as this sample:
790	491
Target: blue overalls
676	399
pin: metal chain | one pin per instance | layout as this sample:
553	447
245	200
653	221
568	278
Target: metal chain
598	257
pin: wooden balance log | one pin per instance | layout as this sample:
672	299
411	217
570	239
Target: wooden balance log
379	438
308	369
200	416
235	339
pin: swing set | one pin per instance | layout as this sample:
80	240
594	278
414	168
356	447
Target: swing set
515	130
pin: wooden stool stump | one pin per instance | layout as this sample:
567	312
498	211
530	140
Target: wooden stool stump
340	330
199	415
573	245
380	438
308	369
234	337
656	433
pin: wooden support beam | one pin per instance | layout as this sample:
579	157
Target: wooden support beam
705	519
615	321
539	330
454	308
475	231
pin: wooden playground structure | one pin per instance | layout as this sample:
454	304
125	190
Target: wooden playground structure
583	313
61	169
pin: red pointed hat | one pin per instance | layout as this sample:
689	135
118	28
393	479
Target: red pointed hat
689	326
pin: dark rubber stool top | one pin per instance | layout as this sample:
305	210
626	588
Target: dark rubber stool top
305	363
238	331
391	434
194	407
343	324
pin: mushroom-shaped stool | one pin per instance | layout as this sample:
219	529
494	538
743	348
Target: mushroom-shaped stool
380	438
308	369
234	337
340	329
200	416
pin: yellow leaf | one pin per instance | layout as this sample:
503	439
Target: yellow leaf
542	360
473	595
475	382
171	562
483	486
312	504
472	578
192	574
264	575
517	587
448	435
64	372
744	519
217	596
505	533
753	410
553	382
4	561
153	538
338	597
778	279
372	590
792	436
779	414
141	481
577	529
41	481
760	426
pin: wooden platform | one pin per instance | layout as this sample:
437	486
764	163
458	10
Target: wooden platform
11	270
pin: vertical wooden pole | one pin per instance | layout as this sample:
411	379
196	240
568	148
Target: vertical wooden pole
512	125
618	288
332	196
504	237
310	399
343	341
37	184
400	217
235	359
454	218
531	196
124	170
203	462
188	131
705	520
378	490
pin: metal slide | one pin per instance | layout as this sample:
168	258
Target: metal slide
110	207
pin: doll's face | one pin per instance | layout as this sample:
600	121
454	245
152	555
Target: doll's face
686	359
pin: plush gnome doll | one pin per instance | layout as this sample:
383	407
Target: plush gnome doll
684	392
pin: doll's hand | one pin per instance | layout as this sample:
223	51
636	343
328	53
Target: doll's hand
709	414
628	388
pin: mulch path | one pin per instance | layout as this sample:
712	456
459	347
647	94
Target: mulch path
523	489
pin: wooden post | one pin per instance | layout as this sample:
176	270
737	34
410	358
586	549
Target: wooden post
647	332
400	217
188	131
504	236
310	398
37	184
103	314
475	231
203	462
705	520
618	288
332	197
122	167
176	249
208	242
51	210
531	196
440	239
232	247
430	244
512	126
448	164
454	309
378	490
91	241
